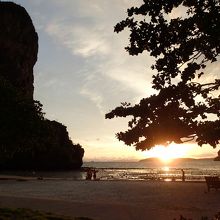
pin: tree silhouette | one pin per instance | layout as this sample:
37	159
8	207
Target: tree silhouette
187	103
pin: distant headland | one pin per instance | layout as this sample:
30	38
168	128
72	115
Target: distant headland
155	159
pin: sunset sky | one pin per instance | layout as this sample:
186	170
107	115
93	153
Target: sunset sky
83	72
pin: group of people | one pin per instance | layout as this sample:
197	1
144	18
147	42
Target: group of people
91	174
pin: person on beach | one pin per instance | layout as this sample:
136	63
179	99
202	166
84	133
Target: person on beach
183	175
94	174
89	174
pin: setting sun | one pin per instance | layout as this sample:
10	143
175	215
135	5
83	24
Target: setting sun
166	158
167	154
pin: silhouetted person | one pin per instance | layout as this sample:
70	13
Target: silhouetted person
94	174
183	175
89	174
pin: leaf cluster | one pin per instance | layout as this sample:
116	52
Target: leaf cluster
182	47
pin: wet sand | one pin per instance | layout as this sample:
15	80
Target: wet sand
118	200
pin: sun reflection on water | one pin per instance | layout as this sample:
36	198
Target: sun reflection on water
166	169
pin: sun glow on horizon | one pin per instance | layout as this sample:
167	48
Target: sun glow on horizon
169	153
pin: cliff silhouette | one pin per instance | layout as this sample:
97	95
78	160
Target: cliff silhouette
218	157
27	139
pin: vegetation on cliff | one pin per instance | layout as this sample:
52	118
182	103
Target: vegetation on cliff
28	140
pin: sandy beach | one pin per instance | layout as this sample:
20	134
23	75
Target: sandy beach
105	200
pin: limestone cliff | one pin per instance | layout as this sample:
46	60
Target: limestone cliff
18	47
27	139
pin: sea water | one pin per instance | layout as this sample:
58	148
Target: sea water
195	170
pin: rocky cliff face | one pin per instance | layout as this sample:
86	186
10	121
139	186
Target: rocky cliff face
27	139
18	47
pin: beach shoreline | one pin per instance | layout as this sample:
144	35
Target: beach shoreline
105	200
33	178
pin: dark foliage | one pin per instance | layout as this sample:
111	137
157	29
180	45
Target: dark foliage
184	108
28	140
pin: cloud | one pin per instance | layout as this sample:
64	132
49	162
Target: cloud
86	26
107	68
80	40
95	97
